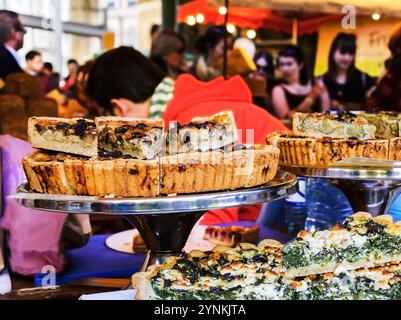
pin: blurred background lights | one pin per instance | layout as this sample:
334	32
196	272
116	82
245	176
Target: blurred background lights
251	34
222	10
191	20
376	16
231	28
200	18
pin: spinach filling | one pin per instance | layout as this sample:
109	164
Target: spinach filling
298	253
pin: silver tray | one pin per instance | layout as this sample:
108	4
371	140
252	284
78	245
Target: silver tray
347	172
283	185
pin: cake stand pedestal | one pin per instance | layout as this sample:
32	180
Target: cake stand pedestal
163	222
368	188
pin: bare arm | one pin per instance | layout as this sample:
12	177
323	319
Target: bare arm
279	101
324	96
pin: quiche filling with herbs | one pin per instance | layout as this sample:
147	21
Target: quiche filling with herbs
361	261
341	125
363	284
361	126
363	241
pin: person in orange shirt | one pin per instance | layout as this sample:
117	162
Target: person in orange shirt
193	98
138	77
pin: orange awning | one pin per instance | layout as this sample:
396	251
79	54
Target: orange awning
253	18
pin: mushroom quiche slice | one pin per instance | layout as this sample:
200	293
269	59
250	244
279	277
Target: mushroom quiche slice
203	134
76	136
138	138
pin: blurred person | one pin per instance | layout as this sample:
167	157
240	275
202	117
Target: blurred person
265	67
51	78
297	93
387	95
154	29
69	87
11	40
210	47
347	86
84	100
167	52
132	95
34	63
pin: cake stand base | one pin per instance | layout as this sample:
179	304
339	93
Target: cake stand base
375	197
159	237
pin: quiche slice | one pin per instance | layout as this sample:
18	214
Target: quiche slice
138	138
76	136
364	242
244	272
388	124
203	134
341	125
378	283
299	150
231	236
59	173
246	166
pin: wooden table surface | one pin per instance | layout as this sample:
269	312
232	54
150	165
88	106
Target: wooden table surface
23	289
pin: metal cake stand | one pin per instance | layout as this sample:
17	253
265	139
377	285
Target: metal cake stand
369	188
163	222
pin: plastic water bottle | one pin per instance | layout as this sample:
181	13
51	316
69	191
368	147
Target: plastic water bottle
395	209
327	205
296	210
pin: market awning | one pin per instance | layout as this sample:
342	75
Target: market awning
390	7
252	17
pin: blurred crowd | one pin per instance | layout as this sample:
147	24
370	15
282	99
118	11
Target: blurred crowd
281	85
261	90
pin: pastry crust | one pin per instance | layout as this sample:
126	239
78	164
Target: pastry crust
210	171
322	152
61	174
395	149
141	283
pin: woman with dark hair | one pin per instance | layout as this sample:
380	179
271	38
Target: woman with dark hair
265	67
167	52
297	93
347	86
387	95
210	47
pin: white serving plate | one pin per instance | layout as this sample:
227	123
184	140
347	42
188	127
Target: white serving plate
122	241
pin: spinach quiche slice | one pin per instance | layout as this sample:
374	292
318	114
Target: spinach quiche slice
138	138
76	136
341	125
244	272
364	242
203	134
378	283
